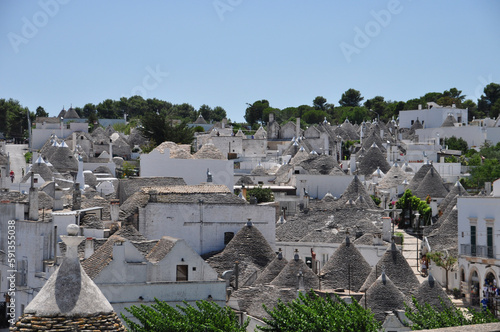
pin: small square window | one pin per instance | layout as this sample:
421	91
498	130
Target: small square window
194	268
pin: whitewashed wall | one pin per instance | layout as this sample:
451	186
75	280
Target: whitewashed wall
183	221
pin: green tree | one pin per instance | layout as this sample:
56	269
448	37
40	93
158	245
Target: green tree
205	317
354	114
254	112
489	98
319	103
315	116
447	262
454	143
109	109
426	317
14	119
184	111
41	112
128	169
88	110
159	128
312	313
488	171
351	98
206	112
411	204
218	113
377	104
261	194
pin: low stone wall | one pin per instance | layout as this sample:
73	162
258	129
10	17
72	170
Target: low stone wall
102	322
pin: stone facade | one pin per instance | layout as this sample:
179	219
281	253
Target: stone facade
101	322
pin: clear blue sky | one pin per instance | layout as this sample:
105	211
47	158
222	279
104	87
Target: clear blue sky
232	52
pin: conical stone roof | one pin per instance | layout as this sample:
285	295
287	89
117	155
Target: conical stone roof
259	170
71	114
200	120
417	125
345	263
397	268
449	121
372	159
209	151
300	156
393	178
176	151
272	270
419	176
382	296
249	248
69	298
432	185
354	190
63	160
445	237
430	291
41	169
457	189
373	138
289	275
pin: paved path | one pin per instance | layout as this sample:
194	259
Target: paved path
410	253
17	161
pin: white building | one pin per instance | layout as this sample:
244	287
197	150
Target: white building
193	171
44	127
479	249
136	272
34	247
433	116
206	216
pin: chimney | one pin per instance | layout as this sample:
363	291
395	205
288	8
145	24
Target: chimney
244	191
72	240
58	202
33	201
453	105
209	176
114	209
153	196
77	197
110	150
487	188
300	277
419	106
89	247
271	117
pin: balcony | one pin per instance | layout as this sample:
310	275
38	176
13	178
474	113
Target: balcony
478	251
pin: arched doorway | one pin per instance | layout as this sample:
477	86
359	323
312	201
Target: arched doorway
490	288
462	281
474	289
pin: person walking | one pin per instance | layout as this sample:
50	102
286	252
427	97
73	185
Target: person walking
12	176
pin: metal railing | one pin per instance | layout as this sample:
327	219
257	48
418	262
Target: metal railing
478	251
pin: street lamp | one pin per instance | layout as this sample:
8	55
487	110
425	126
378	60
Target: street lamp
417	222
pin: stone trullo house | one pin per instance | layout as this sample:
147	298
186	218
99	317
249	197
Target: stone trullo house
69	300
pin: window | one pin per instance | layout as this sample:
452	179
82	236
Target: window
228	236
489	241
412	122
22	272
324	259
473	240
182	273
